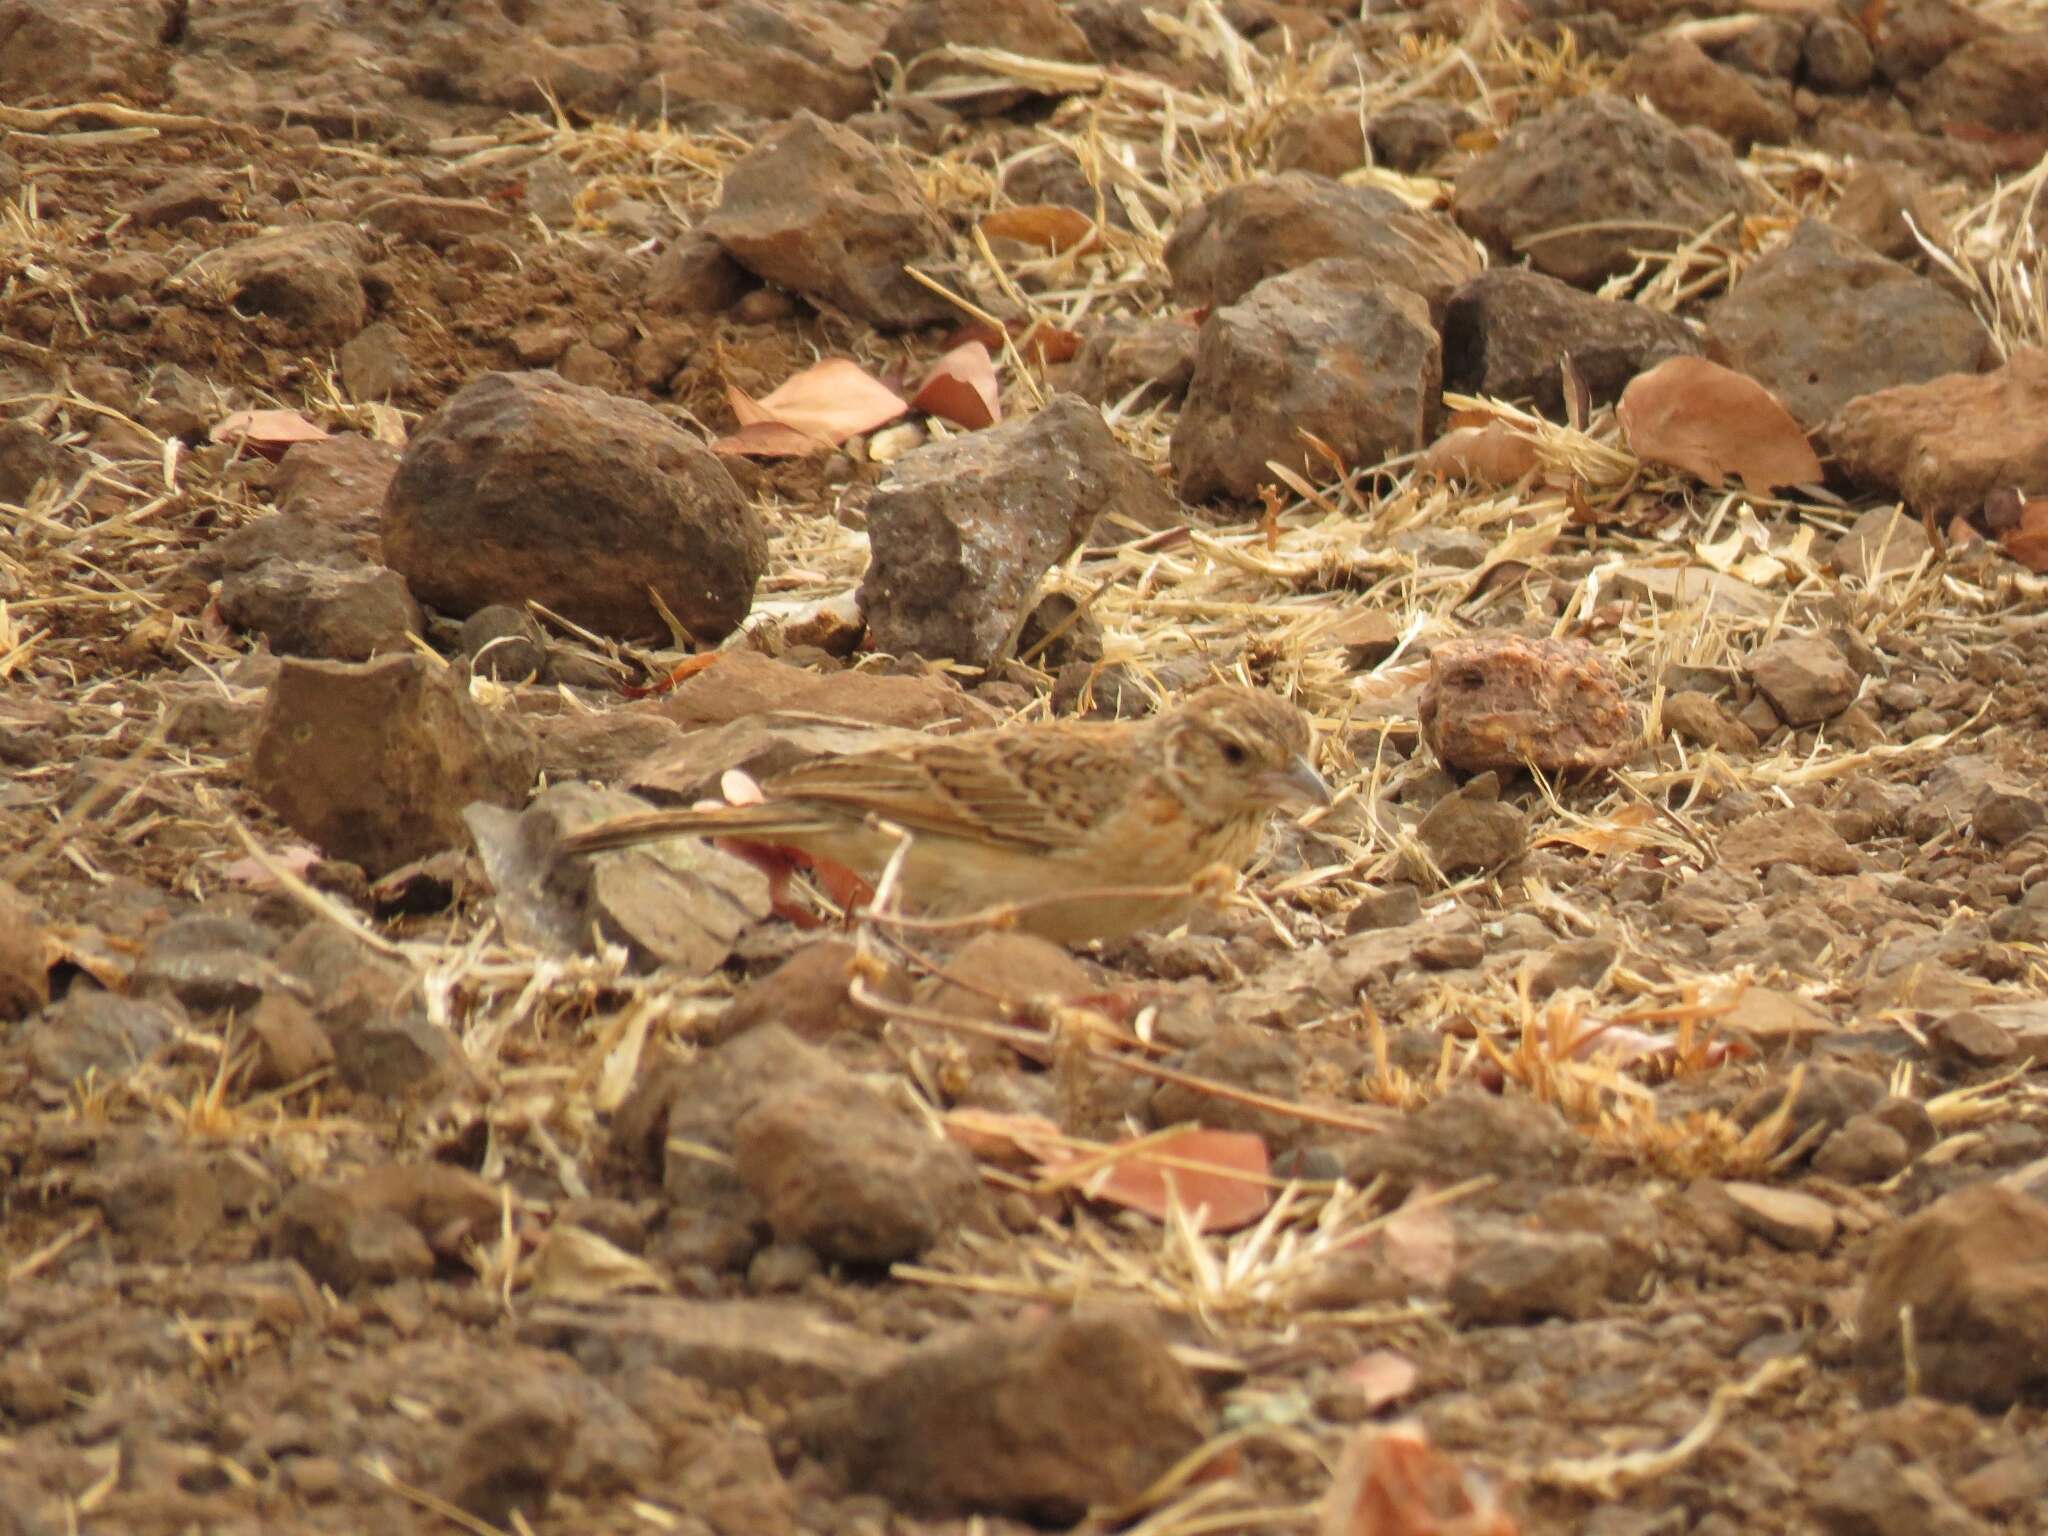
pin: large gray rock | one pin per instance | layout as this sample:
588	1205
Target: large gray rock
1507	331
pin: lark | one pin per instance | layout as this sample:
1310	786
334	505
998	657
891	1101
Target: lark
1079	829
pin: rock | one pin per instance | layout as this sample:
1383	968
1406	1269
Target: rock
745	688
1704	721
1945	445
1506	1274
1969	1039
506	643
373	762
1785	1217
808	995
694	276
1995	83
93	1031
817	209
307	279
1799	322
374	365
855	1177
1525	1145
1871	1494
1580	963
1775	1019
164	1205
369	1011
24	967
338	483
527	487
290	1044
1880	542
1836	56
1410	136
1472	830
1674	74
28	458
2025	1025
1595	160
1392	907
1863	1151
345	1242
349	613
1499	701
961	531
190	195
1034	29
1805	678
509	1458
1243	1056
1323	349
1507	330
757	60
2007	811
693	768
1120	359
441	222
1800	835
1878	199
1973	1267
1258	229
778	1349
1039	1420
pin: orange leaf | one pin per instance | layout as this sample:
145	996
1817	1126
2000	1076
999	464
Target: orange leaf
1053	226
996	1137
961	386
810	412
1713	422
1194	1169
270	433
1393	1482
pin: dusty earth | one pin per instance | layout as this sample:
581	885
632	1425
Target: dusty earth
1652	1132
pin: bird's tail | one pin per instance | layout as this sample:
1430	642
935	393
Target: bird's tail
765	823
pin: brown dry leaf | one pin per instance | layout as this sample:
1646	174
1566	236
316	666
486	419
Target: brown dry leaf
1051	226
962	387
270	433
1196	1170
1012	1141
1493	454
1713	422
2027	541
1381	1377
810	412
572	1264
1419	1243
1393	1482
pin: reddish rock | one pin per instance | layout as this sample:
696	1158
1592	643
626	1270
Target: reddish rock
694	276
1918	34
809	994
1508	330
1472	829
525	487
1799	322
1122	358
818	209
759	59
1945	445
1805	678
1995	83
340	481
1799	835
1325	349
1259	229
308	280
441	222
1973	1268
1501	701
1595	160
1675	75
1705	721
1878	200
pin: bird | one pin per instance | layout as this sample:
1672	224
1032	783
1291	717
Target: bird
1075	830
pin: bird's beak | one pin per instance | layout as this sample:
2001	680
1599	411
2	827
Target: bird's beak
1298	784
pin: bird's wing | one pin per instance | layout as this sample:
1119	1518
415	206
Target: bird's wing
1041	789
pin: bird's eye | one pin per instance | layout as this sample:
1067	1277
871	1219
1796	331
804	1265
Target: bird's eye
1234	754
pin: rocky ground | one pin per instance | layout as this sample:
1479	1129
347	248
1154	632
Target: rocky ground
429	424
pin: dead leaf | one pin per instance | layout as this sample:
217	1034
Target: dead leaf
688	667
1051	226
254	875
1381	1377
572	1264
1493	454
1041	339
1393	1482
2027	540
810	412
1418	1243
269	433
1011	1141
1197	1170
962	387
1713	422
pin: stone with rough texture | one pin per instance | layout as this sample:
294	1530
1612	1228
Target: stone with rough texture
1785	1217
753	59
307	280
961	531
93	1031
373	762
1872	1493
24	968
1038	1419
349	613
1327	349
1507	331
1799	322
1995	83
1472	829
1800	835
1595	160
1034	29
1883	203
1882	541
1259	229
817	209
1973	1266
1805	678
525	487
1120	358
1502	701
1505	1274
1836	56
1705	721
1674	74
1947	444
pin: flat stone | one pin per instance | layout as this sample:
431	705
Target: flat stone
1797	1222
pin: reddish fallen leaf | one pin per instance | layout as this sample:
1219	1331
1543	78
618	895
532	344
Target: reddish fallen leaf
1493	454
1381	1377
1713	422
1393	1482
2027	539
962	387
1219	1172
269	433
1051	226
782	863
1419	1243
1041	339
687	668
810	412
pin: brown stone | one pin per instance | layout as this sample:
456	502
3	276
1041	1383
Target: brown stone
1500	701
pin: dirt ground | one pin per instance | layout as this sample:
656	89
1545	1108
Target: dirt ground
1631	1335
